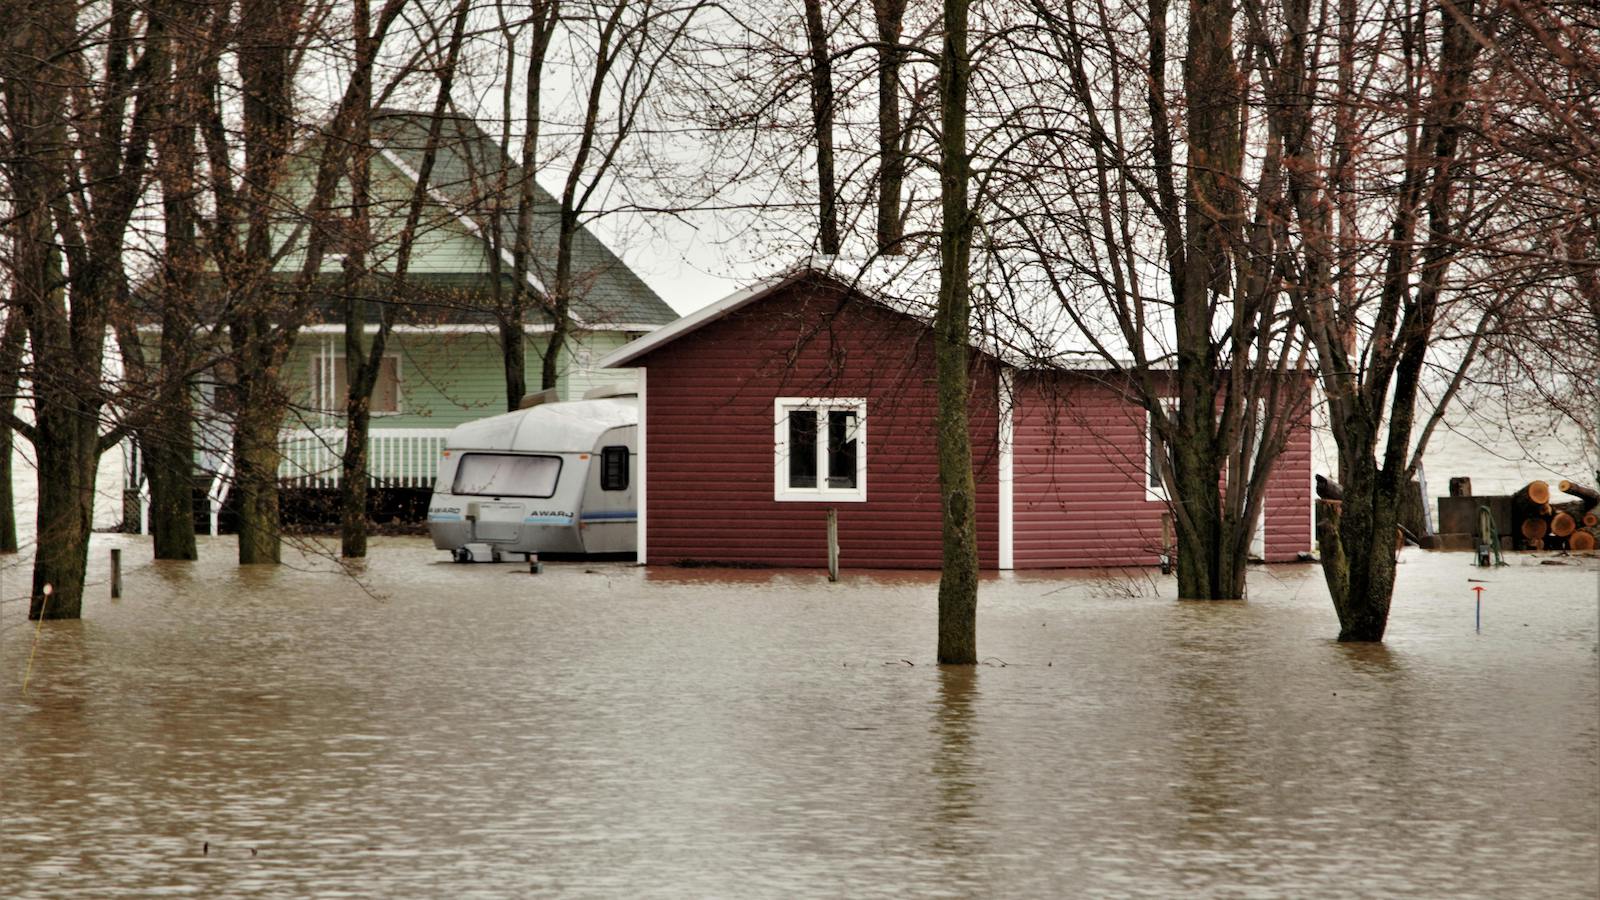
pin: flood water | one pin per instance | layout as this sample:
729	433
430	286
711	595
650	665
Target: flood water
607	731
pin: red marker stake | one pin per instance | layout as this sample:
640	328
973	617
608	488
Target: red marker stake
1477	618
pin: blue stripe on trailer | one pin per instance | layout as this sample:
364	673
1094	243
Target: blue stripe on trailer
547	520
616	515
443	517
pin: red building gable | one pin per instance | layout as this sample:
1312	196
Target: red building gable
766	409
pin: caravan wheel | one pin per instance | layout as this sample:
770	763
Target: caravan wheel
461	555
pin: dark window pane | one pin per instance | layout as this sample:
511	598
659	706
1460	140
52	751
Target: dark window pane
1154	455
614	469
841	448
802	448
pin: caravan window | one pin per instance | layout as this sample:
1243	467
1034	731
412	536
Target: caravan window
506	475
614	469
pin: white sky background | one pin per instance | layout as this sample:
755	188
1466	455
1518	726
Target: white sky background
711	242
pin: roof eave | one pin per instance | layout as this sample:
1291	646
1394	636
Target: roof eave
631	351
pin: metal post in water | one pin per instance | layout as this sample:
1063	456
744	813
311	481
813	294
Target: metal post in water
833	544
1477	616
116	572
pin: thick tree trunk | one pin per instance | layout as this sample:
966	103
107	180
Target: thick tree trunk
822	127
353	481
561	303
65	333
1213	550
1210	562
889	15
958	580
1358	560
8	500
67	454
11	347
256	458
169	465
169	446
550	366
514	356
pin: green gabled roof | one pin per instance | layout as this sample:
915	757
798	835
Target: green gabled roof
466	169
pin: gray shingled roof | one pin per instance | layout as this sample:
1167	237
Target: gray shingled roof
465	171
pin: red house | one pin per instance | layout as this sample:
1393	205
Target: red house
801	393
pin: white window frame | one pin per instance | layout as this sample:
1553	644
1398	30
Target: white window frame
1158	491
329	405
781	490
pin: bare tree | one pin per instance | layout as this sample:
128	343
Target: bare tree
958	580
623	48
363	360
1372	386
1124	204
264	312
164	425
78	113
512	295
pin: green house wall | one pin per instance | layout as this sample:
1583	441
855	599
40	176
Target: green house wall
448	379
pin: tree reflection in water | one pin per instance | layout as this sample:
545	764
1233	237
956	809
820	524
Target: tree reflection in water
953	763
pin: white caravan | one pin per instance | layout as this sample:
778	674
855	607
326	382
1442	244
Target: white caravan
556	477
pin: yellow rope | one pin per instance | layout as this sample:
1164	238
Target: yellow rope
48	590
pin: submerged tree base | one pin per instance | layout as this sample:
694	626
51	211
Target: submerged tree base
1363	603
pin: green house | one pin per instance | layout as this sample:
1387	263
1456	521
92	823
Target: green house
443	363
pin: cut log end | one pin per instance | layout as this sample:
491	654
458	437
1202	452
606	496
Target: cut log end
1538	492
1581	541
1562	525
1590	520
1534	529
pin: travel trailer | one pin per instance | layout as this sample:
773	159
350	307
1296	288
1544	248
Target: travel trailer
553	477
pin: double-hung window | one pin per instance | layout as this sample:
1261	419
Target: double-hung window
821	449
328	387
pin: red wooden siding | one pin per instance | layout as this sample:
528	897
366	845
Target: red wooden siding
709	415
1078	494
1079	481
1288	512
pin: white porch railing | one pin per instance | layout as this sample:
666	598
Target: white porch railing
396	457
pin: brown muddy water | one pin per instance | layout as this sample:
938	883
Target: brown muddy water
608	731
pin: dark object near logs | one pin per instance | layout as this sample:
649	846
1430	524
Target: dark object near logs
1329	489
1461	487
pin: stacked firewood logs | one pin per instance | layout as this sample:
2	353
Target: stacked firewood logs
1543	525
